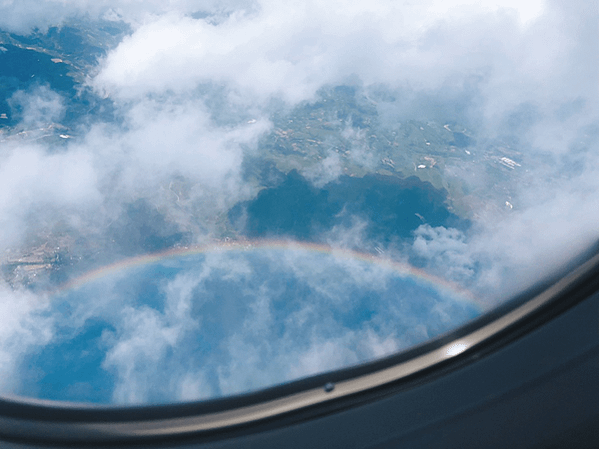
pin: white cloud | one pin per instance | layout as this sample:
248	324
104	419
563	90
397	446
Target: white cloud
37	107
329	169
166	138
504	254
25	323
323	356
446	251
140	346
35	184
534	242
193	387
293	48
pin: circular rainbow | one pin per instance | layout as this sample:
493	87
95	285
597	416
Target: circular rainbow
402	269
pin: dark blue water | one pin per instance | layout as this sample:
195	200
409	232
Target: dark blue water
21	69
391	207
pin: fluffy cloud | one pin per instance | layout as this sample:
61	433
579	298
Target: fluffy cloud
328	170
144	340
445	249
36	185
292	49
25	323
37	107
162	139
501	258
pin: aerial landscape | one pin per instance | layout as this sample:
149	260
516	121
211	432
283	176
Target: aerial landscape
206	199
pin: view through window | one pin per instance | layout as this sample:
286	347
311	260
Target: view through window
204	198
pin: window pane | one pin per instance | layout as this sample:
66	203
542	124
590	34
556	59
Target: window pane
208	198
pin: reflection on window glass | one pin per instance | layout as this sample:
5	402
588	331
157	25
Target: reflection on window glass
208	198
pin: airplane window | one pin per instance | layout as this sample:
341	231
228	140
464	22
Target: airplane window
205	199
